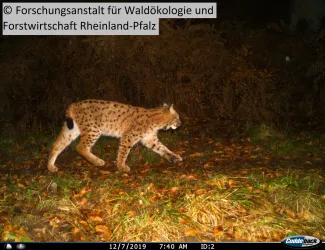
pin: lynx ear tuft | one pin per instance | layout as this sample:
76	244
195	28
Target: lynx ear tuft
171	108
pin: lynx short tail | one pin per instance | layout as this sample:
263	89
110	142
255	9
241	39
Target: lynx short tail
69	122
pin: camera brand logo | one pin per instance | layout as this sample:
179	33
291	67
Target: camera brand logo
301	241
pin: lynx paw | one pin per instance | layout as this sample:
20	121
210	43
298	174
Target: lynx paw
124	168
99	163
173	158
178	159
52	168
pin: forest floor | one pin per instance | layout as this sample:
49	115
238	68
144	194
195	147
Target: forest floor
234	184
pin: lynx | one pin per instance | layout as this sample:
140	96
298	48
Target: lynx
90	119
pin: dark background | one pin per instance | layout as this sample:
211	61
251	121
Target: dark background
233	67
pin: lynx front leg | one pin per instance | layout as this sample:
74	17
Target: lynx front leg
154	144
84	148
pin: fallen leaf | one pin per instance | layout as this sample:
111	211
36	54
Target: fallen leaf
83	202
218	231
236	235
102	229
196	155
306	216
191	178
54	222
21	185
145	171
182	220
41	179
76	234
153	198
200	192
151	186
108	209
207	166
231	182
317	159
174	189
132	213
95	218
191	231
291	213
230	231
104	172
276	236
83	191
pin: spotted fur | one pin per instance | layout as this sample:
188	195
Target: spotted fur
91	119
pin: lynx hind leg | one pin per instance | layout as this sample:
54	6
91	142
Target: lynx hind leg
126	143
65	137
84	148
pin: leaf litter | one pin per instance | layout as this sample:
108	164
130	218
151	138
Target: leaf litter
226	189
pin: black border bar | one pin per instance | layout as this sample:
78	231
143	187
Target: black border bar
145	246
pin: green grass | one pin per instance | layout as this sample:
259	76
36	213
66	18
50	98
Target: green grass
169	137
234	200
289	179
285	144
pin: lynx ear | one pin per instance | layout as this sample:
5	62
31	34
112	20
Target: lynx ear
166	105
171	108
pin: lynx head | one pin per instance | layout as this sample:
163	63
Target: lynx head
172	120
